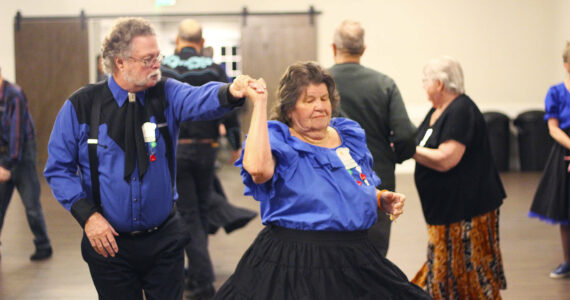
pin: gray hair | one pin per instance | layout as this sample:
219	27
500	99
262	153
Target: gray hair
448	71
117	42
293	83
566	53
349	37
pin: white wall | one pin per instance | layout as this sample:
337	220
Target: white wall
562	31
510	50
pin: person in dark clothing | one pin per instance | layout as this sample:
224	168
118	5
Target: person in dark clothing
111	163
221	213
198	144
18	164
460	191
374	101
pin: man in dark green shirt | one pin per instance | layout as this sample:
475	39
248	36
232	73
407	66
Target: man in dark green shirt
374	101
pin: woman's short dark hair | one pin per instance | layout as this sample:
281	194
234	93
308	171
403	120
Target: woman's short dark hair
293	83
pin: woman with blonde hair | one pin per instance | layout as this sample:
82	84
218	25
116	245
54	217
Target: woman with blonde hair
552	200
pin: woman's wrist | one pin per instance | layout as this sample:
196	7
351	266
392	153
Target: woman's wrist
379	199
381	205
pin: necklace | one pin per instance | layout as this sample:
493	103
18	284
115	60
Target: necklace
316	142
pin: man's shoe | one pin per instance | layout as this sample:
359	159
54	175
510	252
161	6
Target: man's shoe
41	254
202	293
563	270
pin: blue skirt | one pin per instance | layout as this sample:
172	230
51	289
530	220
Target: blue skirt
286	264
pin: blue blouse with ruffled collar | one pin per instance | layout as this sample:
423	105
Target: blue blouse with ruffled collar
312	189
557	105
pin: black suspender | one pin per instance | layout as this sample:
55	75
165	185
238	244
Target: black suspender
92	144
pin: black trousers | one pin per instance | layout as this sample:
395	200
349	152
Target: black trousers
153	262
194	181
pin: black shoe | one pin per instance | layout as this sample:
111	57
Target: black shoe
246	216
41	254
202	293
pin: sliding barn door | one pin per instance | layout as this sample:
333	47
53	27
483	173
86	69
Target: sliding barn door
270	44
51	63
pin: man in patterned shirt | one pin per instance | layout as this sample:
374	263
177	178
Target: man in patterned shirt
18	164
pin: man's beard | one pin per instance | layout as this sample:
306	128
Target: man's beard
143	82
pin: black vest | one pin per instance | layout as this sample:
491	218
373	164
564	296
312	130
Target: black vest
95	105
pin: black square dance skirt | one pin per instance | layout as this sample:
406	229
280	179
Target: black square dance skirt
286	264
551	201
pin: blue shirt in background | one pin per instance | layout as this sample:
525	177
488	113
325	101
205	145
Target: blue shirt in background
557	105
16	124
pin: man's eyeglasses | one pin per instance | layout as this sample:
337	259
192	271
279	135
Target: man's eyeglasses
149	62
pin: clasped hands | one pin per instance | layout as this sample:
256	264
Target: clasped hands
245	86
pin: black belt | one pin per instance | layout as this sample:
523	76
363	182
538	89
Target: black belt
139	233
142	232
213	142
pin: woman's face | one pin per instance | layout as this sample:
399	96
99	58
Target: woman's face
312	110
433	89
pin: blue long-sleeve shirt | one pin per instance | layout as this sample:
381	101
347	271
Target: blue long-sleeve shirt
136	204
16	124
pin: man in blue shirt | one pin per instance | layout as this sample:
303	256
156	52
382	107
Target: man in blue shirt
18	164
111	163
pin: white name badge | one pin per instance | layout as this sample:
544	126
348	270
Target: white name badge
148	129
347	160
426	137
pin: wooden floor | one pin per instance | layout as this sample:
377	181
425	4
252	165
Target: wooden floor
531	249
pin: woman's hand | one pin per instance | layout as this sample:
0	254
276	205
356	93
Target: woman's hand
393	203
257	91
240	85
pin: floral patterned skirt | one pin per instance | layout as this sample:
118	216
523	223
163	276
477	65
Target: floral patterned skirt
464	260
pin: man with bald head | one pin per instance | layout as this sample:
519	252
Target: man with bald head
196	155
374	101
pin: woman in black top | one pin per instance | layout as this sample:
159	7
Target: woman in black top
460	191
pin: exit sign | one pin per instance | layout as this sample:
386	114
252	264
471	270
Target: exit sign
165	2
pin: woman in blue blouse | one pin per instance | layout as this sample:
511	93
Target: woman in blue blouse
552	200
316	188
